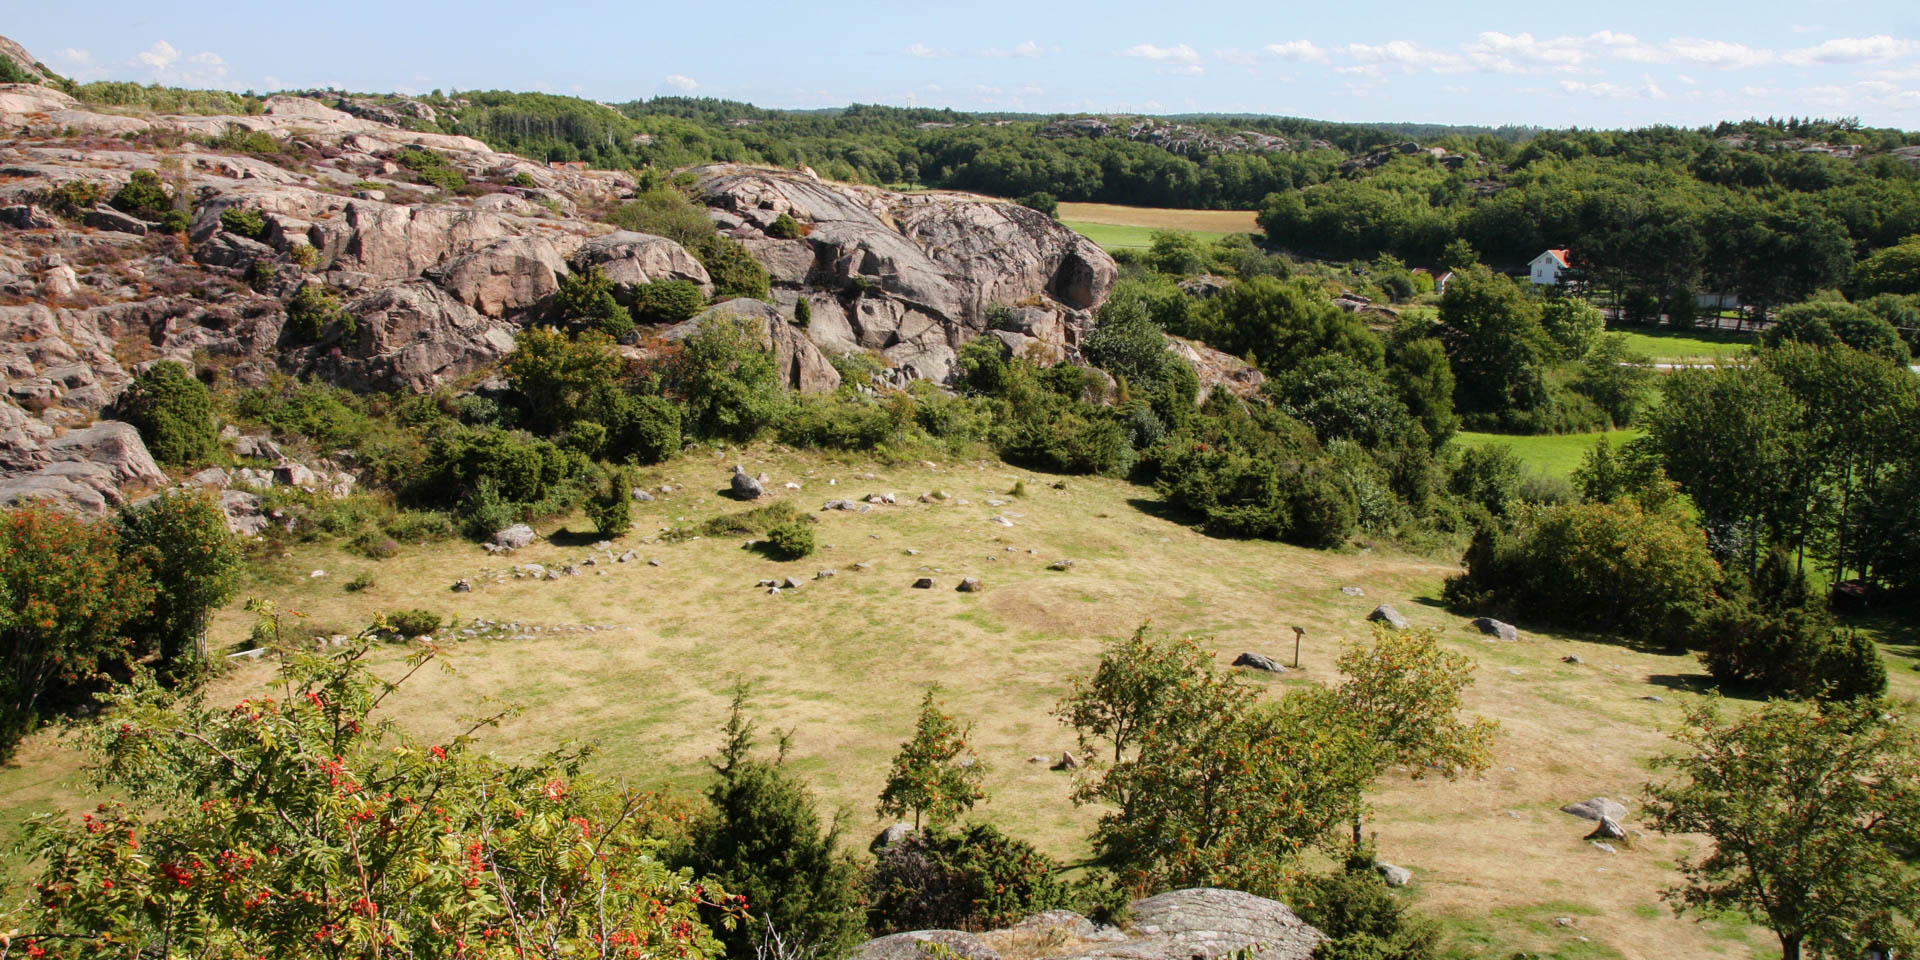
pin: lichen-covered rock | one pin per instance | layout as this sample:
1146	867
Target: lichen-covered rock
913	946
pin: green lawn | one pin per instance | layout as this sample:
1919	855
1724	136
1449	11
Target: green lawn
1114	237
1677	346
1554	456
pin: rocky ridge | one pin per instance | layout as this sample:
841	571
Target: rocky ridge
438	285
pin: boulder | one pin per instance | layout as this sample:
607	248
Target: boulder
244	515
970	585
514	537
1608	829
27	216
744	486
232	251
1208	923
1496	628
257	447
1596	809
1394	876
1258	662
113	445
893	834
1386	614
923	583
107	218
913	946
506	277
631	260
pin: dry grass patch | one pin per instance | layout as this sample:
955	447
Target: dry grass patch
1161	218
843	660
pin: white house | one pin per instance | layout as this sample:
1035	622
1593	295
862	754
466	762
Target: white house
1545	268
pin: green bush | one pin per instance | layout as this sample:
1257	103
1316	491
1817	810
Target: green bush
360	581
791	539
1618	567
312	309
74	198
174	414
802	313
734	271
668	301
837	422
261	273
646	429
1361	917
413	623
374	545
611	505
194	563
432	168
1770	636
251	224
725	375
785	227
587	298
144	196
1042	201
976	878
523	180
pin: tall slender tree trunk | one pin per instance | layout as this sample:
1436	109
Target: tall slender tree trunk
1789	947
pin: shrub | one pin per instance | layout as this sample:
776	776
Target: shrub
247	223
791	539
785	227
1619	567
1573	324
1768	635
74	198
1042	201
413	623
587	298
668	301
561	379
523	180
312	309
261	273
762	836
802	313
173	412
646	429
611	505
725	375
734	271
374	545
976	878
144	196
432	168
304	256
360	581
1361	917
194	563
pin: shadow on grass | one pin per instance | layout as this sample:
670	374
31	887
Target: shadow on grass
1162	510
564	537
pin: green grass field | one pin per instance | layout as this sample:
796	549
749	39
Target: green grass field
1115	237
1689	346
1555	456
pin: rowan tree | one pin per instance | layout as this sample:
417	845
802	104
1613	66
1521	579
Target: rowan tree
1812	812
297	826
67	600
936	775
195	562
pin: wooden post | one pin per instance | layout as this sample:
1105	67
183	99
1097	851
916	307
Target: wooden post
1298	632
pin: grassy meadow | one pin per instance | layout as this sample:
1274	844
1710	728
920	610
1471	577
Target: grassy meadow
843	660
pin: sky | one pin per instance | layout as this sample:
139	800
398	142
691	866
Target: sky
1620	64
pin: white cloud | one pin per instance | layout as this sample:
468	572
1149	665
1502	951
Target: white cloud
1854	50
1236	56
1406	57
1185	70
77	56
925	52
1148	51
1300	51
1654	92
681	82
165	63
1719	54
158	57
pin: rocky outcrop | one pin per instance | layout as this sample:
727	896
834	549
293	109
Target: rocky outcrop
911	276
800	363
1193	924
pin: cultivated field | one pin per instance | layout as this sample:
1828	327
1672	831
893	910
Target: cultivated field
842	661
1113	226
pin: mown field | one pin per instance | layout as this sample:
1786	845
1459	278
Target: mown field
1114	226
1555	456
842	661
1686	346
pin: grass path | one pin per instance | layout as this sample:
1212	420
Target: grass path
843	661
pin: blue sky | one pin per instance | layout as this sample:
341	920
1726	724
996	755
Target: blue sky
1554	64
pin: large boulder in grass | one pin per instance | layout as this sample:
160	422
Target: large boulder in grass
744	485
1208	923
1597	809
1385	613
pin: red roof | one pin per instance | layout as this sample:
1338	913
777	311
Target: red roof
1564	256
